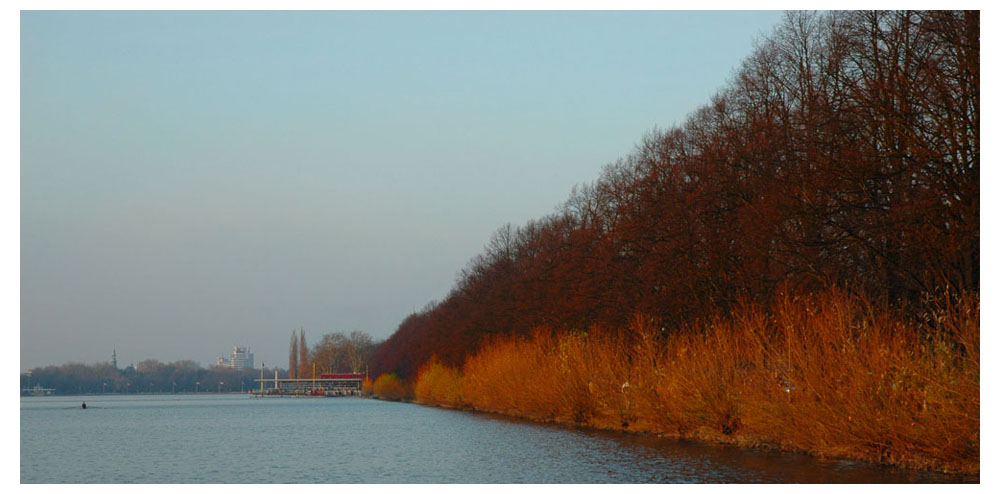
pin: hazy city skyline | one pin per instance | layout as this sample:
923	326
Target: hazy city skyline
192	181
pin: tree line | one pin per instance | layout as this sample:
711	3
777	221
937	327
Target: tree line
336	352
148	376
844	152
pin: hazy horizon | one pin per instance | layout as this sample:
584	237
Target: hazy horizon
192	181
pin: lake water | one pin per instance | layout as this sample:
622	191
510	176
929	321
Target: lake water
211	438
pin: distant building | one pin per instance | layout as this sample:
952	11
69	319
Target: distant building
241	358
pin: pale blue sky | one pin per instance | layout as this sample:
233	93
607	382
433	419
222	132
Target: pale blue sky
192	181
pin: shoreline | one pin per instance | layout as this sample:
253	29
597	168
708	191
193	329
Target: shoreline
964	477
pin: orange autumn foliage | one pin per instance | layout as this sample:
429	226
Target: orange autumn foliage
389	387
831	375
439	385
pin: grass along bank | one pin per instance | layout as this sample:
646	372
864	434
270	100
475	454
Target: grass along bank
831	375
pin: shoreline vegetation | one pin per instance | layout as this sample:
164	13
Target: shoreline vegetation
830	375
795	266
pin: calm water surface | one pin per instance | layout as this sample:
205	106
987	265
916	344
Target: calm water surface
236	439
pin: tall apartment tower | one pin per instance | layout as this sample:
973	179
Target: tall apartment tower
241	358
114	358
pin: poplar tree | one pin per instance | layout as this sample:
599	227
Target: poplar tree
304	371
293	357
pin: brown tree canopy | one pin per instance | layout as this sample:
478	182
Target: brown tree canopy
844	151
342	353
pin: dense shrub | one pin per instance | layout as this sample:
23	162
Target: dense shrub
438	384
389	387
832	375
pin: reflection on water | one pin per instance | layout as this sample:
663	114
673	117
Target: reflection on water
236	439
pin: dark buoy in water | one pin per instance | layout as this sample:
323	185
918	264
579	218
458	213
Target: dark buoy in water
84	406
